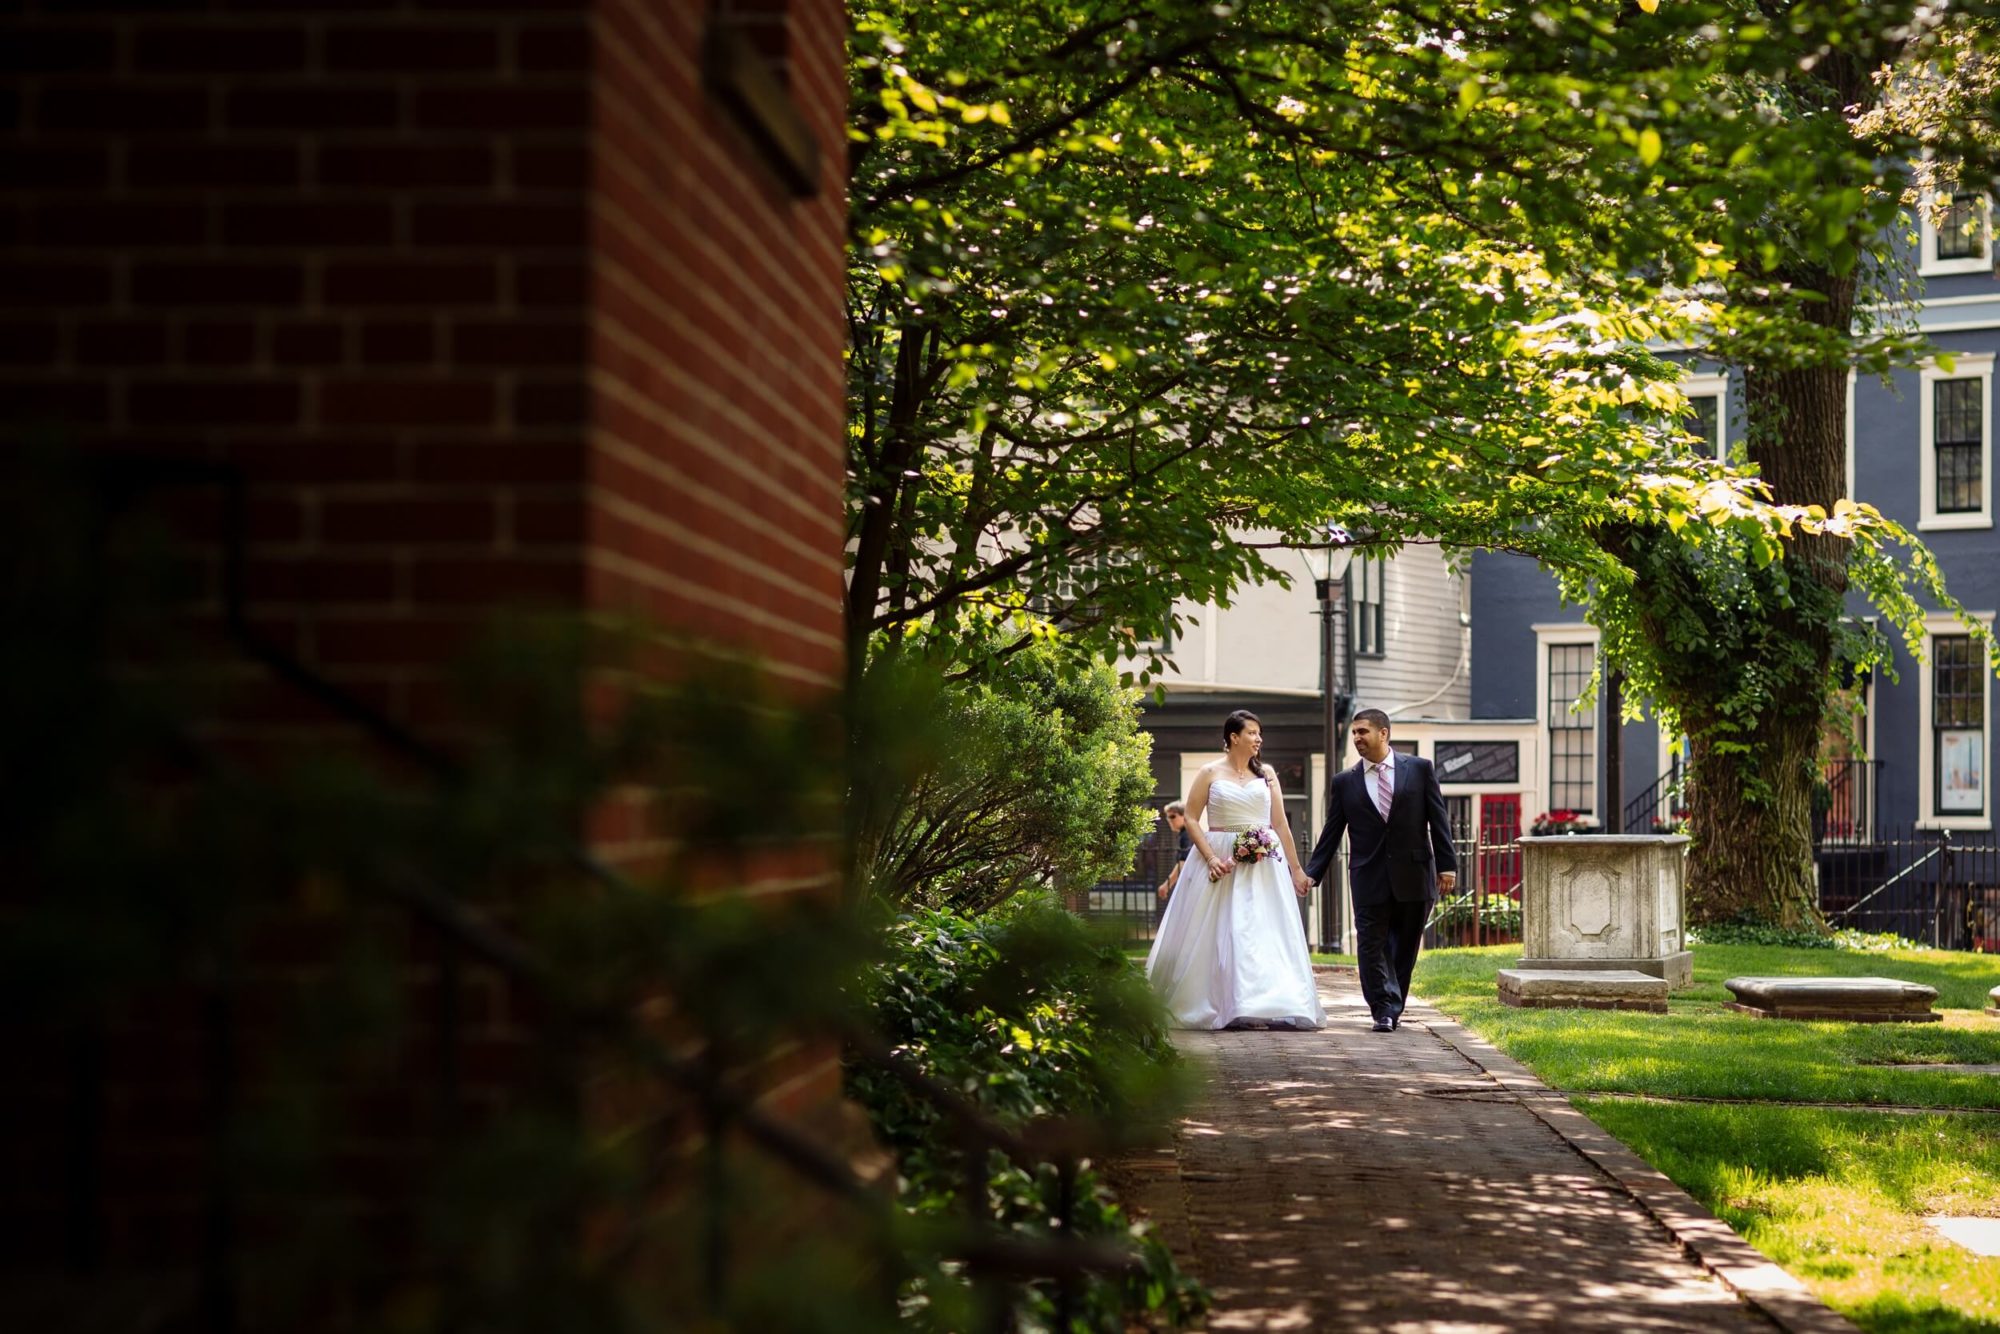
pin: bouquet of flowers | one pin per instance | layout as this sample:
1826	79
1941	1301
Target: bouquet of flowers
1254	845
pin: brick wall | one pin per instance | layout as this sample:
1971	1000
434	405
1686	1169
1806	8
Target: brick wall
485	305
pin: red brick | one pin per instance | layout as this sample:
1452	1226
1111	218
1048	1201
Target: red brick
317	107
319	225
219	343
374	283
321	580
551	166
411	48
211	49
559	522
398	343
29	343
122	107
214	402
498	580
500	109
57	226
552	49
214	166
389	401
318	459
392	641
315	344
552	283
500	226
550	403
121	343
218	283
521	463
398	522
55	167
43	283
40	50
392	165
518	343
62	402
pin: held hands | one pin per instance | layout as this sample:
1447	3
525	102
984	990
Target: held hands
1300	885
1217	868
1447	881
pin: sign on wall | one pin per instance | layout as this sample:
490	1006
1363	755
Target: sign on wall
1477	761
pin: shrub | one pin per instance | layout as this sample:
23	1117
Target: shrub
1031	1015
1036	775
1497	913
1800	938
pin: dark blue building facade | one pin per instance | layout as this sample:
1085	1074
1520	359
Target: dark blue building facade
1920	448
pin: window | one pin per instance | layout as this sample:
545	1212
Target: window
1954	237
1955	735
1959	438
1708	413
1366	581
1572	736
1958	724
1957	488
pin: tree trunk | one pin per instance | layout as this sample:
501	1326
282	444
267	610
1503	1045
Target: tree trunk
1753	782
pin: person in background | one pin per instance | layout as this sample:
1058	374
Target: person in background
1176	816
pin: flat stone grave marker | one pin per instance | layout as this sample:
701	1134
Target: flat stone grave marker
1585	989
1981	1236
1858	1000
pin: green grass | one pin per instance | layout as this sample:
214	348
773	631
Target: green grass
1837	1197
1700	1049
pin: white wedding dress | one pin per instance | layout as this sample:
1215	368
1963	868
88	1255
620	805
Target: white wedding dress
1234	948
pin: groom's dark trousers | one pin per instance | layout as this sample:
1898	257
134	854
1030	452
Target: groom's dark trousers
1392	871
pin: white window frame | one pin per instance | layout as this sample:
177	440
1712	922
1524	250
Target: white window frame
1936	625
1966	366
1929	265
1716	386
1548	636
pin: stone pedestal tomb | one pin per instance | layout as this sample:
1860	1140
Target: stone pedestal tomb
1606	901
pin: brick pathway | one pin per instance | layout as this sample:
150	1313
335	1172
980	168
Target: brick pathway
1355	1180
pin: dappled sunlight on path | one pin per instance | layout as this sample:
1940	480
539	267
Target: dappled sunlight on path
1355	1180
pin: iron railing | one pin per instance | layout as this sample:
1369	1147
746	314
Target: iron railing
1485	909
1937	886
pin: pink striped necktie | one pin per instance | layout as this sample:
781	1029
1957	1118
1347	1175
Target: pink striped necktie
1384	794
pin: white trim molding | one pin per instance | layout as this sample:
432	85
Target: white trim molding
1549	636
1939	625
1966	366
1929	265
1714	386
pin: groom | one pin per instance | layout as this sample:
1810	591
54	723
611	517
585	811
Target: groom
1399	856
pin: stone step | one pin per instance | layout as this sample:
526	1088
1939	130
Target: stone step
1582	988
1858	1000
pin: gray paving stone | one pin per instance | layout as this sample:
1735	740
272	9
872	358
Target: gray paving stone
1348	1180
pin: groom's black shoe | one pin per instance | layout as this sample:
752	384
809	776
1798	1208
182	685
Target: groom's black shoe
1395	1021
1385	1025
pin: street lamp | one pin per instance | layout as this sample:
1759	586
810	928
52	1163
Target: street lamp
1336	682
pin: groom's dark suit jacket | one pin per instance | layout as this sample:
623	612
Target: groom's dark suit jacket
1396	860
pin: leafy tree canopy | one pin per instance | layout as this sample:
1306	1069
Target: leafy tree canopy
1127	280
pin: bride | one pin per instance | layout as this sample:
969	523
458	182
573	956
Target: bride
1231	947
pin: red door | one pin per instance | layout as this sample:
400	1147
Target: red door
1499	859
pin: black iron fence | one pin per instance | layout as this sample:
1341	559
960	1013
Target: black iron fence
1938	886
1484	909
1941	887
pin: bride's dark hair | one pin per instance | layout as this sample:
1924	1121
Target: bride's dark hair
1235	723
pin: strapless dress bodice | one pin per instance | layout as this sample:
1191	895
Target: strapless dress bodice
1238	805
